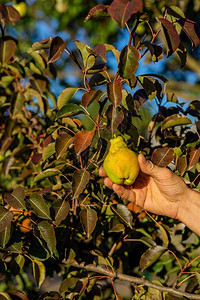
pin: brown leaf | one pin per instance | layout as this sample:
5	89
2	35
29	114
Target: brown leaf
114	116
121	10
56	49
7	49
114	90
162	156
9	14
170	34
63	141
192	30
182	164
193	157
80	180
100	50
90	96
82	140
88	219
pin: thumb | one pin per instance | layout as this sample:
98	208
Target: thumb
149	168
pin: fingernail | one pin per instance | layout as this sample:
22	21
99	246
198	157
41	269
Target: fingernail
144	160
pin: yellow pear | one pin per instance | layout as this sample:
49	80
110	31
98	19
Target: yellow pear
21	8
121	163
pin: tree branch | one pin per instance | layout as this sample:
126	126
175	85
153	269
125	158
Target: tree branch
101	270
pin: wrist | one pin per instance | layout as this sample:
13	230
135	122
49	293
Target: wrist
189	210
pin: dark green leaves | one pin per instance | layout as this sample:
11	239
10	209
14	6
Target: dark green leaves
128	63
80	180
150	256
48	235
61	209
122	10
17	198
88	219
123	213
39	206
6	217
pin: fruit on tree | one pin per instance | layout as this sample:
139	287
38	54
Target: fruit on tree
21	7
121	163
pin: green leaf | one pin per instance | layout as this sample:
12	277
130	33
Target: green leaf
123	213
39	272
48	234
150	256
66	95
87	57
88	219
175	120
16	199
97	11
63	141
44	44
47	173
48	151
61	209
68	284
39	206
15	248
69	110
6	217
128	62
116	226
80	180
17	104
164	236
5	236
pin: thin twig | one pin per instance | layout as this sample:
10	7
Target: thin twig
132	279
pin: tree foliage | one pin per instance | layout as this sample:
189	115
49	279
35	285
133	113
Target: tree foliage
55	214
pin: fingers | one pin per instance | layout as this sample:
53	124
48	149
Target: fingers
149	168
124	192
102	172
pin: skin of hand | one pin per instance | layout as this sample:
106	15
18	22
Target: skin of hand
156	189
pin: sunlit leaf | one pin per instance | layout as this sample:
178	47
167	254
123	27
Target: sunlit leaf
69	110
175	120
39	206
193	157
48	151
48	234
151	256
80	180
57	48
82	140
7	49
17	104
90	96
66	95
44	44
67	284
4	296
61	209
39	272
87	57
17	198
122	10
162	156
96	12
182	164
88	219
128	62
123	213
6	217
63	141
46	173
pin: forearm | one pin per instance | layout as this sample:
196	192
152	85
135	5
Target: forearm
189	210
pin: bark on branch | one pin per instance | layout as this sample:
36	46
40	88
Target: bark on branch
115	275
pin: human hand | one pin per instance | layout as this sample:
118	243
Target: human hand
156	189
